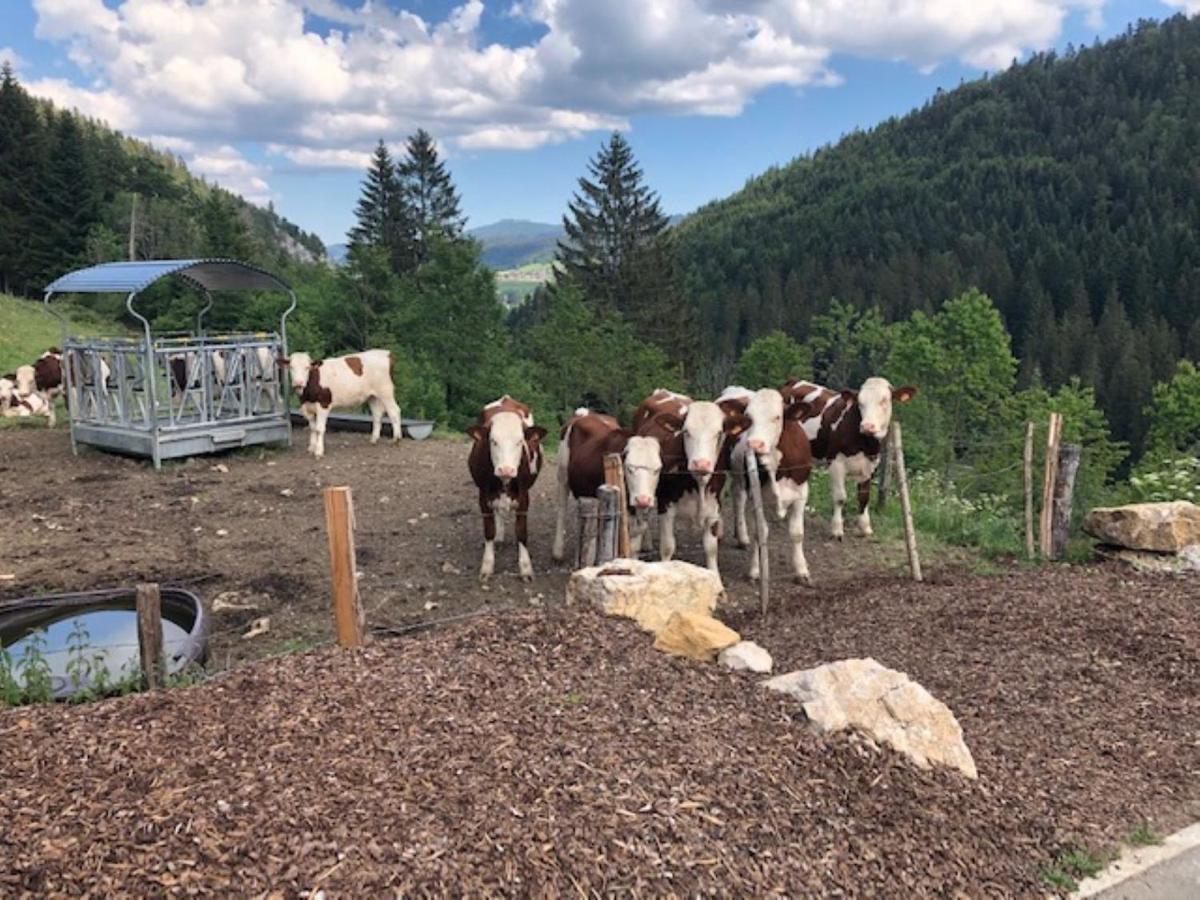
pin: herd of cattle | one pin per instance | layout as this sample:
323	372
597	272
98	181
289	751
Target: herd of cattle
677	454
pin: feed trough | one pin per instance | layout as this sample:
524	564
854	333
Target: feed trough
416	429
169	395
100	628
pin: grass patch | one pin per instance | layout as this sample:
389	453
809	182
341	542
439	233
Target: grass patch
1144	836
27	329
1070	867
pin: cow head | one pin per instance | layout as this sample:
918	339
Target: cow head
642	459
509	441
8	386
875	400
298	365
765	411
705	429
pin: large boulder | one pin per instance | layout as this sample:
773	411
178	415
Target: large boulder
883	704
1185	562
1161	527
647	592
695	635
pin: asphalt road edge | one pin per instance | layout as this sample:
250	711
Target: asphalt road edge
1134	861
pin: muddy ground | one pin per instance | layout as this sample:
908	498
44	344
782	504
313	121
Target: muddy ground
248	527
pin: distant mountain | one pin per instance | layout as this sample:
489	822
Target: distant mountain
511	243
337	253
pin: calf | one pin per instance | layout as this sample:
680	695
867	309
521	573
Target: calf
43	378
342	381
14	403
847	429
695	439
784	458
586	439
504	462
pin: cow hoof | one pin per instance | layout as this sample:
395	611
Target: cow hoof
802	579
527	577
839	537
743	544
484	576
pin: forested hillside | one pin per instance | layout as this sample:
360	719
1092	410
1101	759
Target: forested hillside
1066	188
70	186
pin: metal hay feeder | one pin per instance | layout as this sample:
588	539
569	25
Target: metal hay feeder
173	395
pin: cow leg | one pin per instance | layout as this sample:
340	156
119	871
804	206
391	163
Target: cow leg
322	414
755	565
503	508
376	418
488	565
564	498
796	531
393	414
741	532
666	532
51	419
312	427
864	508
639	526
710	512
522	529
837	487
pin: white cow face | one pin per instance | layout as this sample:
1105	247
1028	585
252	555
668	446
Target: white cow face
705	429
509	441
298	365
643	464
765	411
875	400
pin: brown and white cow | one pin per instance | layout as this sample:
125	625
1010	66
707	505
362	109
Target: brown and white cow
44	378
696	437
784	456
847	429
504	462
586	439
14	404
342	381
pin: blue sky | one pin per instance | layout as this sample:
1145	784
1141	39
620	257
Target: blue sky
281	100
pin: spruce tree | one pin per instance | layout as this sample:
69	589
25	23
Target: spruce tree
23	173
429	193
619	253
382	218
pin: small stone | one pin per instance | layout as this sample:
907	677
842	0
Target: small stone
286	492
413	521
220	467
223	807
431	605
746	656
450	569
221	532
695	635
257	627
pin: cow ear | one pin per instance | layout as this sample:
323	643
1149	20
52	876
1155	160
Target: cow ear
616	441
736	423
670	421
476	433
850	396
904	394
283	361
535	433
796	411
733	405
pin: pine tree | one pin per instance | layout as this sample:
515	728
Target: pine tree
382	217
612	218
429	194
619	253
23	168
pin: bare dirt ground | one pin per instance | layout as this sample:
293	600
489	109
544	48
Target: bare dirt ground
550	750
256	533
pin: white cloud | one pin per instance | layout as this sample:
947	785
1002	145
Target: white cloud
231	170
12	57
1191	7
322	80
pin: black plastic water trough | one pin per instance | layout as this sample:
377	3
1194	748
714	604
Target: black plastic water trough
102	623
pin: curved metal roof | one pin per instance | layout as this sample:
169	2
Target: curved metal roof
131	277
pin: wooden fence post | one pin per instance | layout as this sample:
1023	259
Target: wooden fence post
1053	436
1029	547
614	474
347	610
609	511
589	513
760	525
1069	456
150	635
910	532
